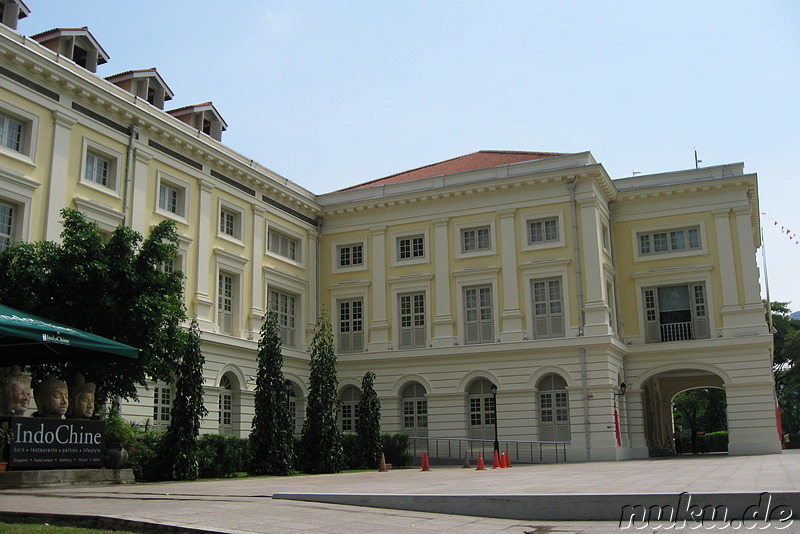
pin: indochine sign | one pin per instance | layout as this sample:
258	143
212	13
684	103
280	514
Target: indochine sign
48	443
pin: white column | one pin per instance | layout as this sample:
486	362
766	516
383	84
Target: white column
726	262
57	188
139	211
379	325
511	316
442	314
747	250
203	297
595	306
259	305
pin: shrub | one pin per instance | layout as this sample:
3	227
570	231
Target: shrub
222	455
714	442
148	461
352	451
794	441
395	449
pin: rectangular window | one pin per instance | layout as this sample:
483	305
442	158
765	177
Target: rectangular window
666	241
543	231
169	199
351	325
11	133
476	239
350	413
284	306
478	317
548	312
7	216
411	247
225	302
162	406
412	320
282	245
227	223
675	313
97	169
351	255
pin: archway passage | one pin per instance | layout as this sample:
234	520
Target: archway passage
658	393
701	421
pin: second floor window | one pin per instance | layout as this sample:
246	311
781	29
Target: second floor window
11	133
548	313
543	231
478	318
675	313
665	241
284	306
412	320
169	199
227	223
7	216
351	325
475	239
225	298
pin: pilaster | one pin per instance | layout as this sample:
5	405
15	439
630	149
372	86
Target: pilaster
57	188
203	301
442	315
511	315
379	325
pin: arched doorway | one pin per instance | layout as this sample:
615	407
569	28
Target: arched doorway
414	406
480	406
658	393
699	415
553	408
348	409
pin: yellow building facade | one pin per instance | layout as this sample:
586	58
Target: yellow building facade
536	273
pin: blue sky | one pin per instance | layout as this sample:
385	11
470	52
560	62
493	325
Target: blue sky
330	94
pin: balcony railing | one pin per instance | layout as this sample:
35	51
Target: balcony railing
677	331
523	452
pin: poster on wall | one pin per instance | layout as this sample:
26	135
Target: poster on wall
38	443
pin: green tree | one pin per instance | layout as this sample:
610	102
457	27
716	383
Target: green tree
271	439
181	446
321	441
115	288
368	425
786	339
700	409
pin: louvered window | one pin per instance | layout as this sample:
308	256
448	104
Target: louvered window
548	308
351	325
412	320
478	319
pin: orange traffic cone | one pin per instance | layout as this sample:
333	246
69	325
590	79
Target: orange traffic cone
496	461
383	468
481	466
503	459
426	466
466	461
508	459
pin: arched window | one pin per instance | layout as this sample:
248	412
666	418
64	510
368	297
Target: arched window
226	406
296	407
415	410
553	409
348	412
480	406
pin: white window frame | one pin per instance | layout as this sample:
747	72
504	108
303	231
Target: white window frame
414	410
413	260
353	320
554	411
234	265
462	228
338	245
349	291
662	228
480	411
114	160
182	202
285	233
486	276
30	131
548	320
238	215
543	216
420	283
349	411
17	191
284	282
288	320
542	270
163	401
694	274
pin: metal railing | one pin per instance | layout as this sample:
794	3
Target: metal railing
676	332
523	452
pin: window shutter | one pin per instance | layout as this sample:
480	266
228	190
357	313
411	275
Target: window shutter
419	336
358	341
406	338
700	312
651	332
556	325
487	332
471	333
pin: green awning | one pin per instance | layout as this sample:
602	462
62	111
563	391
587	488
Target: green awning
26	338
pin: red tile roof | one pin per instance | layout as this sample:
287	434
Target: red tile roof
484	159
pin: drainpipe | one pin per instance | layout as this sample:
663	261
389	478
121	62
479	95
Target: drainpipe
584	378
129	163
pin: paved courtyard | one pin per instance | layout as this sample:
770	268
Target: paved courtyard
248	506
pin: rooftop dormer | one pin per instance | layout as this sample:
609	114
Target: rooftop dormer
203	117
11	11
75	43
147	84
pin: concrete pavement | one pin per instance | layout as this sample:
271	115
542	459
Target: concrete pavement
248	506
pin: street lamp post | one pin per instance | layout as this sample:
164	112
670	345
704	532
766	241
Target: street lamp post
494	409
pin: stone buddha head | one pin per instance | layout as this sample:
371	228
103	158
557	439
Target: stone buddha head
81	398
15	391
52	397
